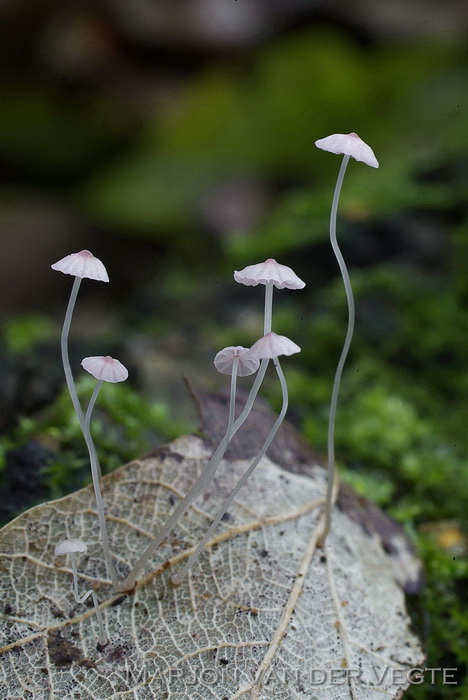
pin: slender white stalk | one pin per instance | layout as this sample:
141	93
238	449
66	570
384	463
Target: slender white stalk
344	352
102	637
64	350
268	308
95	470
232	394
201	484
177	578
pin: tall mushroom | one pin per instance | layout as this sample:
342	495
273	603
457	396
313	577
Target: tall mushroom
104	369
351	146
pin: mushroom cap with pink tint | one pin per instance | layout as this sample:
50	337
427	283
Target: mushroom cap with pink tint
224	361
70	547
82	264
105	369
269	271
349	145
273	345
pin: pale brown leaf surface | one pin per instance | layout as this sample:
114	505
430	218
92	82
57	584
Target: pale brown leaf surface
262	609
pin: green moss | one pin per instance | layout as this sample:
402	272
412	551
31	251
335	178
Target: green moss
125	425
440	613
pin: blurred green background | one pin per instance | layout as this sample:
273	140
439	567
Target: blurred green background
175	140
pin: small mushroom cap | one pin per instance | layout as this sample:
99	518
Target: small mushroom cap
105	368
273	345
82	264
349	145
269	271
70	547
247	364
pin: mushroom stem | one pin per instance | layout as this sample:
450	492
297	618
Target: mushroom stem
268	307
102	637
95	472
177	578
64	349
232	394
202	482
344	352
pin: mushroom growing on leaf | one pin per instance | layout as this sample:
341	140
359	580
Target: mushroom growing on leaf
267	348
351	146
73	547
104	369
270	273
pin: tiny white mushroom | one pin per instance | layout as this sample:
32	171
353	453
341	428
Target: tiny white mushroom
73	547
82	264
236	361
350	146
271	274
281	276
104	369
272	345
227	358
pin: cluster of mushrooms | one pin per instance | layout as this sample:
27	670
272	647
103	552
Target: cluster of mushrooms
235	361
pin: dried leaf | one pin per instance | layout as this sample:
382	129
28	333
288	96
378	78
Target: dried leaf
264	614
292	452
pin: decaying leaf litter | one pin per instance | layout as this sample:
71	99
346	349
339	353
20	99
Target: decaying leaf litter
262	613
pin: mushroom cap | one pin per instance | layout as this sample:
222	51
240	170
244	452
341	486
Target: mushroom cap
82	264
273	345
247	364
105	368
269	271
349	145
70	547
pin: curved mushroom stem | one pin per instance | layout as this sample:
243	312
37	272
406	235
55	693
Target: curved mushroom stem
201	484
64	350
95	471
344	353
177	578
102	637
